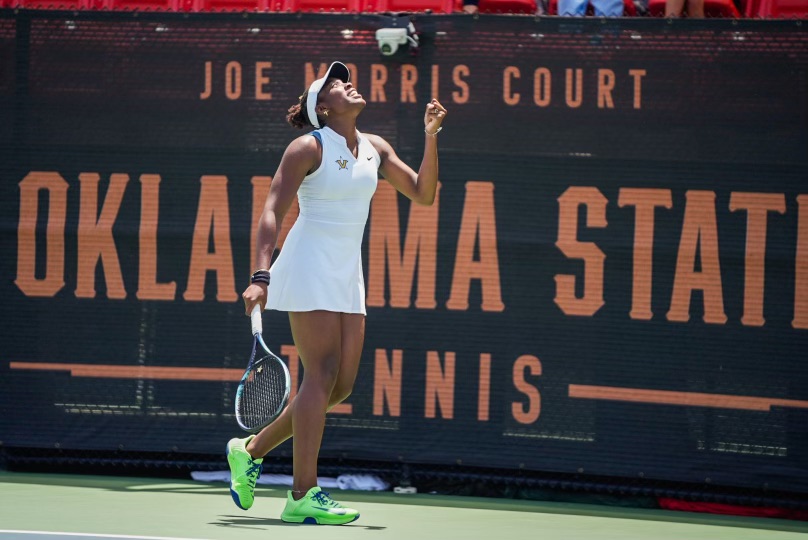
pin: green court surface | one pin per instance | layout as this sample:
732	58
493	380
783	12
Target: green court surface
67	507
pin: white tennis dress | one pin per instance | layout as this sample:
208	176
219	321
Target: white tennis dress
320	265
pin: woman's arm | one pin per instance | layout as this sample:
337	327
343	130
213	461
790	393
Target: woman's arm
420	187
301	156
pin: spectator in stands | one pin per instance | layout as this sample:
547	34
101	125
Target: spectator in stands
695	8
603	8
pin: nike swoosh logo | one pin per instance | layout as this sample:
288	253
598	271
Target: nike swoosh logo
370	158
337	511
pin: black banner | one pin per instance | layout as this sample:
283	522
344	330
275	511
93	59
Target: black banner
613	280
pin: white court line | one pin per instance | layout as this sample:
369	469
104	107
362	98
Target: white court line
94	535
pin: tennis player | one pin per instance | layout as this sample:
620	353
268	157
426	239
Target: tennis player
317	278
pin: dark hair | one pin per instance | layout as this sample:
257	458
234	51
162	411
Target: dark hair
298	117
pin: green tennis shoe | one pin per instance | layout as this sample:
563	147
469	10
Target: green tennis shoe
317	508
244	472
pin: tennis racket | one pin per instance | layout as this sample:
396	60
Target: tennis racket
264	389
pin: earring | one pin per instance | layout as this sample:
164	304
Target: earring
325	113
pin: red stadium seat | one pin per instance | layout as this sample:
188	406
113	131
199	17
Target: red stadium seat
783	9
408	6
508	6
712	8
721	8
629	10
750	8
144	5
318	6
230	5
48	4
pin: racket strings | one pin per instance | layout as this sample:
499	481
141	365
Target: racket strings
263	394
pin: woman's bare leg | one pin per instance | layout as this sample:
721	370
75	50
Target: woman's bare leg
673	8
353	337
695	9
318	337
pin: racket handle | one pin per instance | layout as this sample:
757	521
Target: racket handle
255	319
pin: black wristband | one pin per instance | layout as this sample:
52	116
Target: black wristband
260	276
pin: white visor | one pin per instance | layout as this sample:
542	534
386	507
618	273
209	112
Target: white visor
336	69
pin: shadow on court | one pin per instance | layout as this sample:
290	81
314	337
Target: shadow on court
252	522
